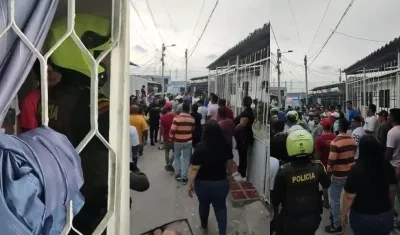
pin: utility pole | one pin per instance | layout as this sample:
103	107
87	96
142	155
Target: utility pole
278	53
305	69
162	68
176	74
340	75
155	64
291	85
286	88
186	62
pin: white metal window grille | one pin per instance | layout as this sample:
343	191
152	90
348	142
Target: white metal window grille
379	86
247	76
117	217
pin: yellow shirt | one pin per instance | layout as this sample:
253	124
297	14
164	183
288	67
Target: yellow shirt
140	124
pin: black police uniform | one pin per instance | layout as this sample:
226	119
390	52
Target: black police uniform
296	189
69	114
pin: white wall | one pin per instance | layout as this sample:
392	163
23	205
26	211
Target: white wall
374	86
136	84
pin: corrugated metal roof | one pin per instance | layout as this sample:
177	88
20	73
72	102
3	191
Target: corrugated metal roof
259	39
384	55
333	85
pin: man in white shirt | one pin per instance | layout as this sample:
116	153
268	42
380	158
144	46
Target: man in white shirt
358	132
134	140
393	139
273	172
179	104
291	121
310	121
371	121
203	111
212	110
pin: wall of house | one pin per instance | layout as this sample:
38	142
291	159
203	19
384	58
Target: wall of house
382	92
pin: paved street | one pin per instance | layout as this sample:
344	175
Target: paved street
166	200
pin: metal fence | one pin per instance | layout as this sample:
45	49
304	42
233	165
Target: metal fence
249	76
116	219
380	86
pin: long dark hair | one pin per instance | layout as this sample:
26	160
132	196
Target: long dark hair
214	138
370	155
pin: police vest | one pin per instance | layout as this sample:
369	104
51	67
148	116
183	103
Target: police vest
302	188
61	104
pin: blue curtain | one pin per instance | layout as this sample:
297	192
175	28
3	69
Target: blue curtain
33	17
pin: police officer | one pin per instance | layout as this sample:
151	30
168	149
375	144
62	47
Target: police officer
69	111
296	188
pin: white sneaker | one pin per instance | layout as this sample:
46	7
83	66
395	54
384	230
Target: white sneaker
239	178
235	174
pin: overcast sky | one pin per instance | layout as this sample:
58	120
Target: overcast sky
175	20
369	19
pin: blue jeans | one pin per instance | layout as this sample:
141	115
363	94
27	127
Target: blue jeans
335	193
215	193
183	150
362	224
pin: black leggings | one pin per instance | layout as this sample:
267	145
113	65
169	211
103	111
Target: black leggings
242	147
153	134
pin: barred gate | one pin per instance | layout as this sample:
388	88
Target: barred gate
117	217
380	86
250	76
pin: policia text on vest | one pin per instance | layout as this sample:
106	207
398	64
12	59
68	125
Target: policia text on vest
303	178
296	189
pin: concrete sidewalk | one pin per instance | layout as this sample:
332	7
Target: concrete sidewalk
166	200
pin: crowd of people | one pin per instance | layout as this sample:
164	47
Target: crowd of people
360	159
196	135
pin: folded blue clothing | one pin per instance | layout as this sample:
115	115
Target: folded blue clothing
40	174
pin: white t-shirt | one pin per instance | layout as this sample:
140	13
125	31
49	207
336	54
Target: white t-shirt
134	138
294	128
273	171
356	135
203	111
311	125
371	124
212	111
179	108
393	141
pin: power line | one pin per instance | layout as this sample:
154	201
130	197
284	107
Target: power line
273	34
205	27
141	21
154	21
291	62
170	20
313	73
197	22
300	65
364	39
319	26
295	25
330	73
151	59
147	68
333	32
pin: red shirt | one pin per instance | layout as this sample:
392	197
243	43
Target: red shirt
27	116
166	123
229	113
228	128
322	145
